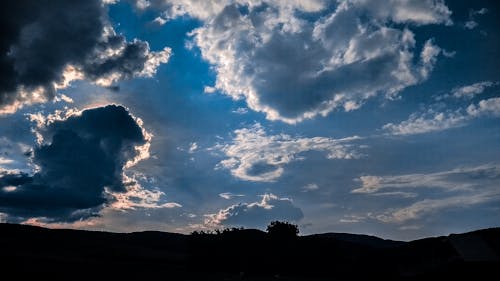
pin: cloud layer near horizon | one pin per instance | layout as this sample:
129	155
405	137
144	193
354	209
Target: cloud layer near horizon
256	214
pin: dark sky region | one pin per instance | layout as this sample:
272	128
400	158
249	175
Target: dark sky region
375	117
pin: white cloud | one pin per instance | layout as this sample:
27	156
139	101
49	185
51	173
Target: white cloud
64	98
256	214
159	21
430	206
209	90
485	107
5	160
472	23
206	10
462	187
192	147
138	197
293	65
255	156
433	120
429	121
229	195
240	110
310	187
469	91
466	178
448	54
12	154
428	58
351	219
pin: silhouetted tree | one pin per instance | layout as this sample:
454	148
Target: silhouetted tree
281	229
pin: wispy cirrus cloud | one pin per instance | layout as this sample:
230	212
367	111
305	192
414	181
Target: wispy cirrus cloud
427	207
466	178
461	187
229	195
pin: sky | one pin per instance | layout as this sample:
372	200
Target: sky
373	117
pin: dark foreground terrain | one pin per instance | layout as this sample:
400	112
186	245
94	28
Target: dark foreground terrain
47	254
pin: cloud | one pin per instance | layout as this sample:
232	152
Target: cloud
255	156
205	10
430	206
295	60
229	195
457	179
310	187
12	153
485	107
469	91
240	110
79	167
472	23
45	46
433	120
192	147
429	121
463	187
256	214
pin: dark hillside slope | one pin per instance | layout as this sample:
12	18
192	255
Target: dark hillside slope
28	251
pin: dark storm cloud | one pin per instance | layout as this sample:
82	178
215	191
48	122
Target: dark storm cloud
40	39
87	154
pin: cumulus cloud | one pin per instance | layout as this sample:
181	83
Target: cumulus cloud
485	107
294	60
205	10
462	187
255	156
433	120
79	167
47	44
256	214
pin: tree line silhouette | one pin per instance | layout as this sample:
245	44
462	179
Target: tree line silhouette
275	229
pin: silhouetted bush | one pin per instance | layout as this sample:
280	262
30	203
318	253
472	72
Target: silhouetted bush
281	229
217	231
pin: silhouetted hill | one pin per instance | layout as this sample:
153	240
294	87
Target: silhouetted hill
49	254
362	239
